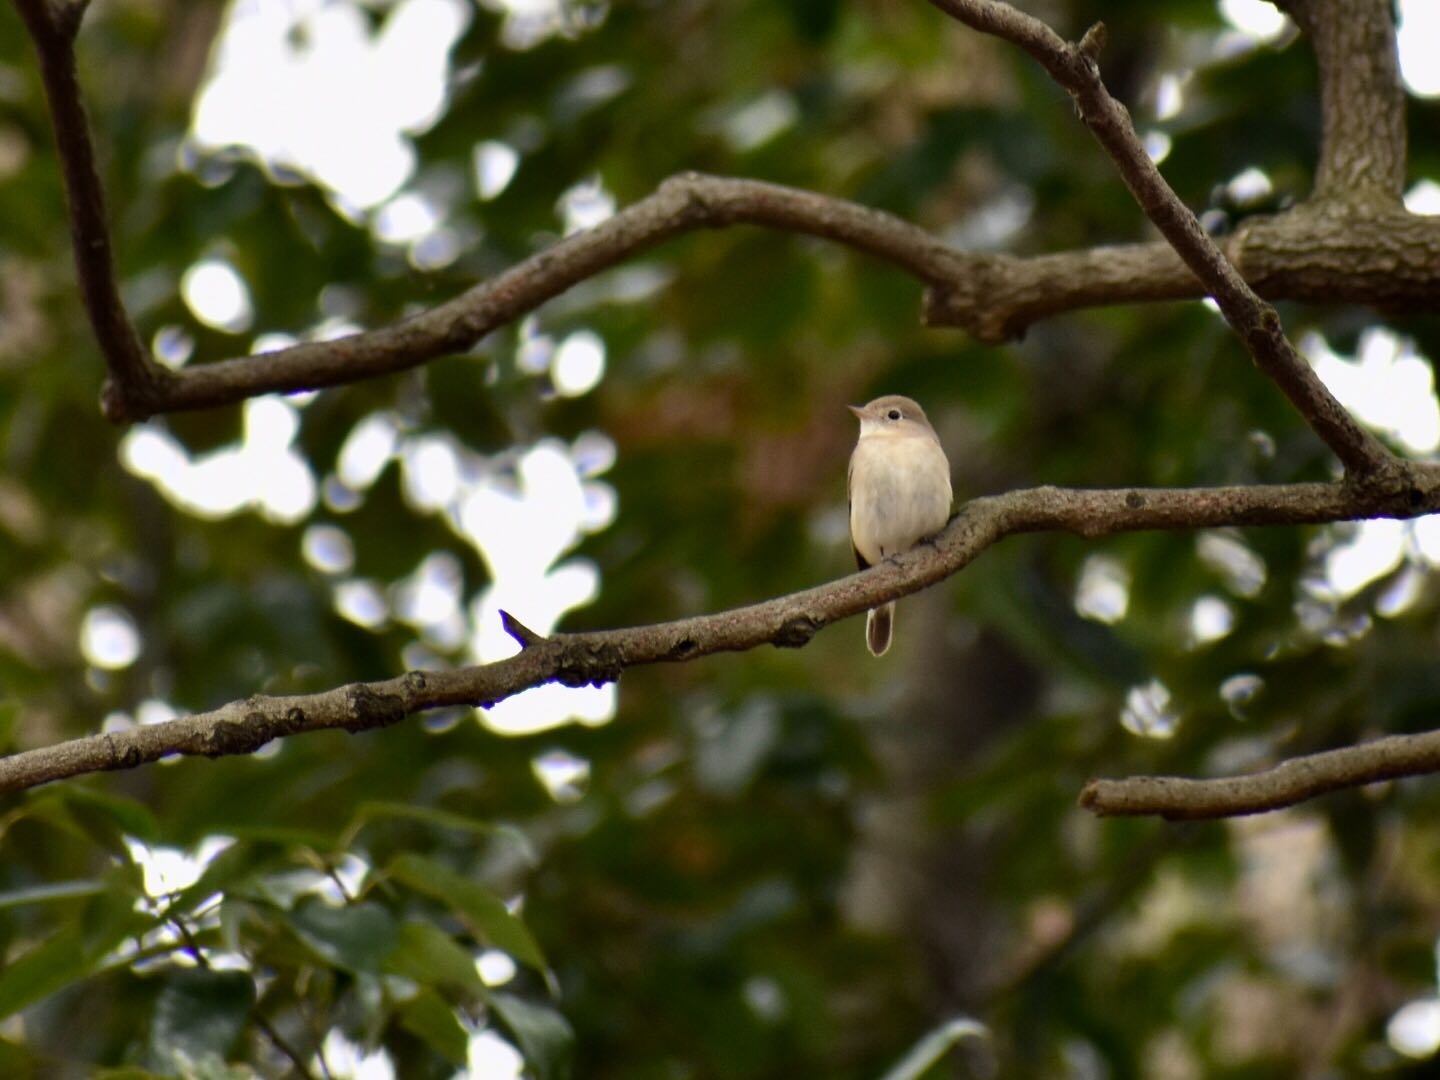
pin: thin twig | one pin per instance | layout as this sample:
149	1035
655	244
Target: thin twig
334	875
1290	782
598	657
1253	320
285	1047
261	1021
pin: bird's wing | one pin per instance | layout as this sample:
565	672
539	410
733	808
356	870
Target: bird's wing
849	505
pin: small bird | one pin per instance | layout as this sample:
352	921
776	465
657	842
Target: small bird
899	487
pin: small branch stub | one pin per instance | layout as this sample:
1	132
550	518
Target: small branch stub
1093	43
519	631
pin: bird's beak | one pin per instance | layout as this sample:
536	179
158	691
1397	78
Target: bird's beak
858	410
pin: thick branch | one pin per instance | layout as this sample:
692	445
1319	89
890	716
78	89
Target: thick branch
1371	254
595	658
135	377
1319	253
1362	104
1391	261
1073	67
1290	782
682	204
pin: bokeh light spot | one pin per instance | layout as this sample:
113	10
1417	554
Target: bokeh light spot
1423	198
494	164
1255	18
1211	619
362	603
109	638
1414	1030
1417	29
1103	591
495	967
562	774
578	364
314	90
217	295
1147	711
328	549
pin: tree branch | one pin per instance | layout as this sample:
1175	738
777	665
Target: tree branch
598	657
1393	261
1362	104
1254	321
1290	782
135	378
1381	256
682	204
1386	258
1333	248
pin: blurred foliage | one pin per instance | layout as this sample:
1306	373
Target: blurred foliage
777	864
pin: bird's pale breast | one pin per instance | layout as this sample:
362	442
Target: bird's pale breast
899	493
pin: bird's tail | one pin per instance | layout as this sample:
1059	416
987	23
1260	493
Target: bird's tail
877	628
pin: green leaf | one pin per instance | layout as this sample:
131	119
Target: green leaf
18	1060
130	817
428	1016
42	971
111	915
102	818
45	894
544	1036
71	954
377	810
234	866
50	809
356	938
208	1068
483	912
930	1049
281	836
199	1013
433	958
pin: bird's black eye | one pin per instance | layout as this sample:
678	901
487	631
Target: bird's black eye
893	414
